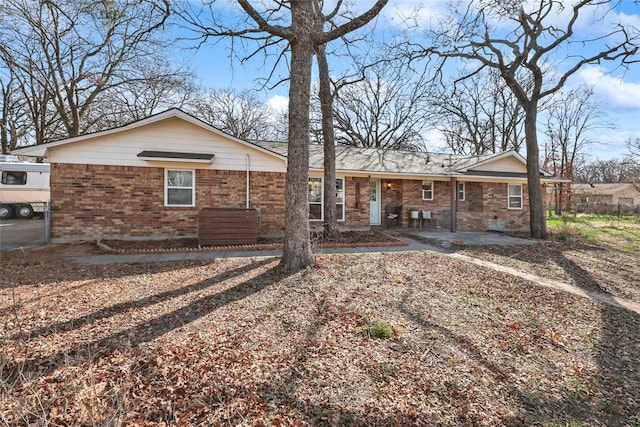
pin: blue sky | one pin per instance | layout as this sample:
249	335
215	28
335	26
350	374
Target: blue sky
617	90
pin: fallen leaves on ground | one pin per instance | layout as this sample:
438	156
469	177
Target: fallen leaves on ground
242	342
592	267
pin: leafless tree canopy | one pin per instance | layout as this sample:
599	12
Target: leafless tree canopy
13	126
238	113
478	115
571	116
634	148
608	171
387	108
83	65
518	39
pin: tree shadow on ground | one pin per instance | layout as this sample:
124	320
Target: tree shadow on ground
136	335
499	374
14	275
617	352
609	395
106	312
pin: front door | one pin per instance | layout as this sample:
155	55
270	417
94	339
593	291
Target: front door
374	204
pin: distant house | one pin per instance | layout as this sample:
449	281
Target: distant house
605	198
150	178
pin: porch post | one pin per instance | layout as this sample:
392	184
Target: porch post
454	204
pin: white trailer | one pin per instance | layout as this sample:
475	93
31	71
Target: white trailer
24	187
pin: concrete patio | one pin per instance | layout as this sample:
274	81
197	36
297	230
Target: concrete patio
445	238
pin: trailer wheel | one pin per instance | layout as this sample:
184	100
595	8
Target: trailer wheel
24	212
5	212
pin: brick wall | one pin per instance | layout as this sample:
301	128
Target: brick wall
408	193
90	201
484	207
492	214
357	193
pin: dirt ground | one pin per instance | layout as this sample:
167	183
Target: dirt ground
242	342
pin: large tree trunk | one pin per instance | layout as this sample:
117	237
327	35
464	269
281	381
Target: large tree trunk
537	218
331	231
4	135
297	246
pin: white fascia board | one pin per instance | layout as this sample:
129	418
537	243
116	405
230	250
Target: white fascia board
32	151
389	175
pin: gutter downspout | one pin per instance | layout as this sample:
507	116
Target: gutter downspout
248	169
454	204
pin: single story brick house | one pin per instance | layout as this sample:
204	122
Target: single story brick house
150	178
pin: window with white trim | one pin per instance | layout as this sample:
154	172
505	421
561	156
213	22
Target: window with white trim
179	187
340	199
514	192
427	190
461	192
316	199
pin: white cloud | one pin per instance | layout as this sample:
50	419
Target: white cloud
278	103
611	144
413	14
434	140
613	92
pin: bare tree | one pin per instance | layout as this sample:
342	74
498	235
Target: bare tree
387	108
301	26
571	116
633	160
608	171
69	54
325	95
634	147
240	114
538	33
280	126
35	99
478	115
157	87
13	126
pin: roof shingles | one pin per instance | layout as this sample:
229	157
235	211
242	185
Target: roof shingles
383	161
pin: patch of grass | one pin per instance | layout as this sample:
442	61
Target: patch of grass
379	330
625	231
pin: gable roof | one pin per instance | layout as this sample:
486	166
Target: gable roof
508	164
372	160
41	149
358	159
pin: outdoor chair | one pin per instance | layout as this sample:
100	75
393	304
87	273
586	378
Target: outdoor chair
428	217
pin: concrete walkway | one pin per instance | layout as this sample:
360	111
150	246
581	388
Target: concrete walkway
554	284
444	238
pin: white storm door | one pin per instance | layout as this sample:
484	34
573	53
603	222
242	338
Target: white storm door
374	204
